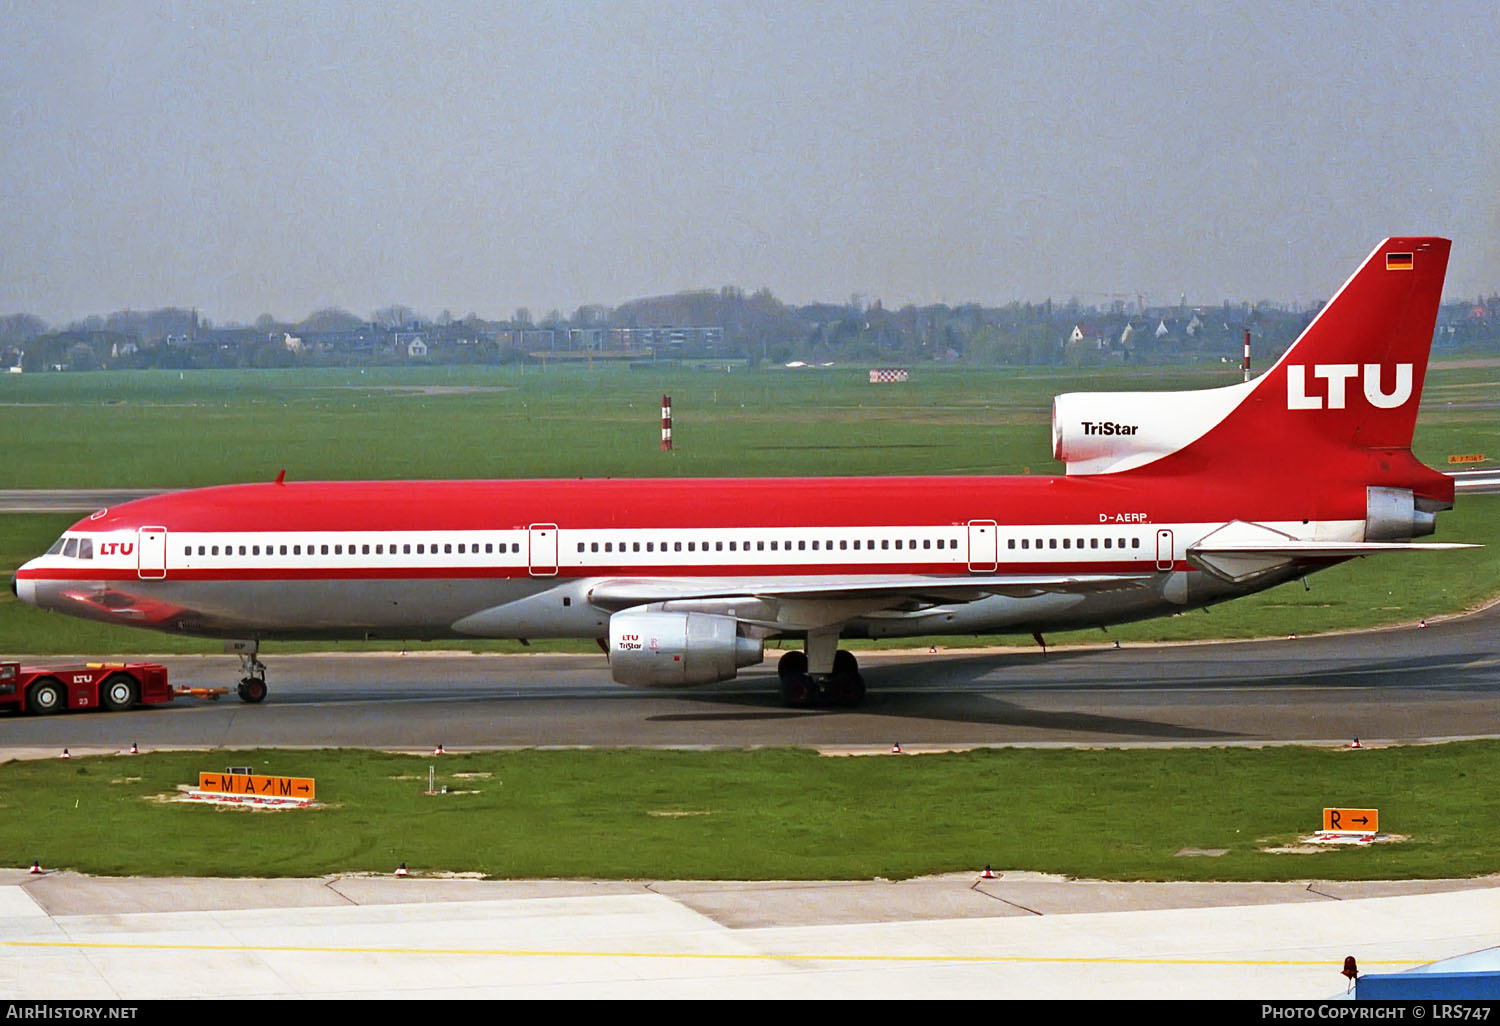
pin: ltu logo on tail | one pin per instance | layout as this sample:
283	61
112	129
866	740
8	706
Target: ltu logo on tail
1337	376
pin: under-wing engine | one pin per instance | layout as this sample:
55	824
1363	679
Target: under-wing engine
668	650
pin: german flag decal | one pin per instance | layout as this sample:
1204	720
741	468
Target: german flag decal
1398	262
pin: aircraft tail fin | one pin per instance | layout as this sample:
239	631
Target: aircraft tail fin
1343	398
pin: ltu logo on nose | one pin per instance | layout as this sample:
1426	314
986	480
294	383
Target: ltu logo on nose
1337	376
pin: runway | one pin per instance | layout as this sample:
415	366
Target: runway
1401	684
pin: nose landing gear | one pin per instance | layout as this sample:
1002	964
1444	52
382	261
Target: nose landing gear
252	687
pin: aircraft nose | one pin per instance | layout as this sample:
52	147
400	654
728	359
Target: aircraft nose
25	590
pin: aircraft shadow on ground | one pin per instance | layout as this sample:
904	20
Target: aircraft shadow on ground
966	690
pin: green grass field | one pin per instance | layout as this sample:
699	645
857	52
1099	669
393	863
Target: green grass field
770	814
171	429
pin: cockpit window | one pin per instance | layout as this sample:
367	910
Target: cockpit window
57	547
70	547
85	548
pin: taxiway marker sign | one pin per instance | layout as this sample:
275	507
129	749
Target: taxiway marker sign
248	784
1365	821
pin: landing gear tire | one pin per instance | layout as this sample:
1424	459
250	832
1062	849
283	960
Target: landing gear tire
252	690
118	692
843	687
797	690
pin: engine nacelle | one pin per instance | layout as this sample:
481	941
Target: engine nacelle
1393	514
1103	432
673	650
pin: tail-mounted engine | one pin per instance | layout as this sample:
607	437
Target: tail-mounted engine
1104	432
1393	514
670	650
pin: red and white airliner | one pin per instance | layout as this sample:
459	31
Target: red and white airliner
1170	501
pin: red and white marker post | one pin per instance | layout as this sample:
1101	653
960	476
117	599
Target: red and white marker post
666	423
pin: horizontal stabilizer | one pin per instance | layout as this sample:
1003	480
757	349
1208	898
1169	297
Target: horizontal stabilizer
1244	561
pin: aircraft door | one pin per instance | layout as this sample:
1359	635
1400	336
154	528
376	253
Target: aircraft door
984	546
151	549
1164	555
542	549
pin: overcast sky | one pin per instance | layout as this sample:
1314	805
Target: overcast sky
247	158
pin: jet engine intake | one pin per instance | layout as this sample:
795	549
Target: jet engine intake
670	650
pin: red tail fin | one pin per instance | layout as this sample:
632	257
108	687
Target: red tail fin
1341	403
1354	377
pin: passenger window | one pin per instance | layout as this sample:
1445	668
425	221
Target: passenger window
609	546
242	550
677	546
1051	543
1010	544
1025	543
200	550
255	550
283	550
215	550
1067	543
515	546
760	546
296	550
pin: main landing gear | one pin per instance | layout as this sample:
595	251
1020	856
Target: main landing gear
252	687
803	687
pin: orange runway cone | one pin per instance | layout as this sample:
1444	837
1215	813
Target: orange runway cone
989	874
896	748
36	868
65	755
1355	744
134	748
439	751
401	869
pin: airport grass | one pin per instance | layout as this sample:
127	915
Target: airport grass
182	429
1126	814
